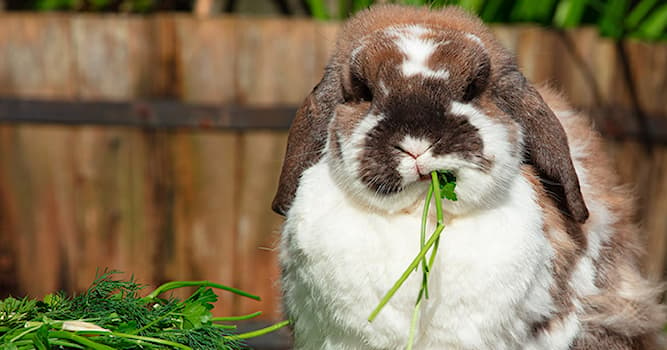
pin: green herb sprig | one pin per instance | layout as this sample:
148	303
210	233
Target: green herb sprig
112	315
443	184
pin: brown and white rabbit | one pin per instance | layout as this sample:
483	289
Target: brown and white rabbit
539	251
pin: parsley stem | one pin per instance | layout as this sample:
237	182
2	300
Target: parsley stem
435	184
259	332
180	284
28	330
152	340
406	273
413	323
236	318
78	339
64	343
422	239
438	197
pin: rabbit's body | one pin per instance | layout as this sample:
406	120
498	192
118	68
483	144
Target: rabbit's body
490	283
539	250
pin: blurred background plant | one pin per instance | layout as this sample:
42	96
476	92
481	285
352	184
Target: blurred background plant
642	19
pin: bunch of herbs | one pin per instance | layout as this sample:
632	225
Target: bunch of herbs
111	314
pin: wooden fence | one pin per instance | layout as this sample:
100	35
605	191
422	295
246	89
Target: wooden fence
190	203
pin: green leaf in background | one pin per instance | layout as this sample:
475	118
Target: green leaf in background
490	11
532	11
415	2
139	6
496	11
569	13
99	4
612	18
50	5
474	6
638	13
318	8
358	5
655	26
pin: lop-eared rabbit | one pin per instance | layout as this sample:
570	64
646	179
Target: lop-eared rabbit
539	252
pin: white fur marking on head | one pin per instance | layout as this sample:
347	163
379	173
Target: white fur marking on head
353	145
494	135
347	171
481	189
383	87
417	51
475	39
357	50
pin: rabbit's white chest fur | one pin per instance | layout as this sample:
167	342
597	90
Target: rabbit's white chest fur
489	284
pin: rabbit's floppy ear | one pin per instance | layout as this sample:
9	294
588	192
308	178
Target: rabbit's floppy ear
307	137
545	138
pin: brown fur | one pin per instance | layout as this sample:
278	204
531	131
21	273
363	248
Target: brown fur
625	314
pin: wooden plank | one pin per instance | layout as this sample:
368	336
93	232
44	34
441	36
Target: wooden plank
206	58
259	227
535	52
325	45
508	37
9	215
114	56
265	80
646	64
115	60
655	218
645	61
36	56
39	192
36	62
204	165
207	8
576	76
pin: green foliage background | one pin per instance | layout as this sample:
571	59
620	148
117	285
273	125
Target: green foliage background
643	19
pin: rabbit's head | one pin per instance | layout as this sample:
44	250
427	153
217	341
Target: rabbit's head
411	91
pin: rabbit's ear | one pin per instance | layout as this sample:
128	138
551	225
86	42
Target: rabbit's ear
307	138
545	140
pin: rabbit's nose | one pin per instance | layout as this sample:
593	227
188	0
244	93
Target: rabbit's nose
414	146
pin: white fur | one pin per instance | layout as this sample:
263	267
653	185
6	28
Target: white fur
415	146
474	38
340	258
354	145
347	172
560	337
479	189
491	267
598	228
414	164
383	88
417	51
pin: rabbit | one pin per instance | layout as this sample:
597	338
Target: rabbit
540	250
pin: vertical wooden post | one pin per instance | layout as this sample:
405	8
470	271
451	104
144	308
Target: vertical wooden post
207	8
